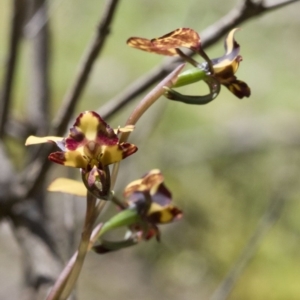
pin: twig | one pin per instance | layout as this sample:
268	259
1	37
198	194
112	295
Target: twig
66	110
62	279
12	55
265	224
65	287
242	12
38	100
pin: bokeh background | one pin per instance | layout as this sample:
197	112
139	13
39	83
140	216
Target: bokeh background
225	162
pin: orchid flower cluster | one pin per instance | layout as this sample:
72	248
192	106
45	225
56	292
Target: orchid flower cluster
92	146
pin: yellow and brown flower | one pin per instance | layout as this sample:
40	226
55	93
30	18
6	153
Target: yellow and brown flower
149	204
220	69
92	145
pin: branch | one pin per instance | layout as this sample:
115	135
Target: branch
278	5
38	101
12	54
60	123
242	12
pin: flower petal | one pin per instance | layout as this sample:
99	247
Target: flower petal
115	153
149	182
32	140
69	186
181	37
158	214
89	126
70	159
231	57
167	44
239	88
147	45
127	128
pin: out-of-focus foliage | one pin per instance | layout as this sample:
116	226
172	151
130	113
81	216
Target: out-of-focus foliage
223	162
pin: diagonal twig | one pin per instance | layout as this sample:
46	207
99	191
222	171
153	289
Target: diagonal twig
39	93
12	55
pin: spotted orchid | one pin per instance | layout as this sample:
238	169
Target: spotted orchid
92	145
213	71
148	203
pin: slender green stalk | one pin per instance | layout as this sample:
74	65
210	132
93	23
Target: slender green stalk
64	286
142	107
64	275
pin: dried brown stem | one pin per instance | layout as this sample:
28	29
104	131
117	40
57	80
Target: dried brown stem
64	286
12	55
38	100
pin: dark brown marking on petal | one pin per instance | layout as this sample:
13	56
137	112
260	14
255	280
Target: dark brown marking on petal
105	134
148	46
232	49
163	196
73	142
181	37
239	88
127	149
167	44
57	157
158	217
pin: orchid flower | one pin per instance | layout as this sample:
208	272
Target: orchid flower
92	145
148	203
214	72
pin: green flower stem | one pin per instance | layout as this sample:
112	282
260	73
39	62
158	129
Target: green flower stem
65	283
83	246
142	107
189	77
64	275
126	217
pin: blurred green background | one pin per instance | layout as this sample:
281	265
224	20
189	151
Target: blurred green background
224	162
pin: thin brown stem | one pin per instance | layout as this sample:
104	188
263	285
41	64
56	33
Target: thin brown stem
12	55
64	275
39	97
66	286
